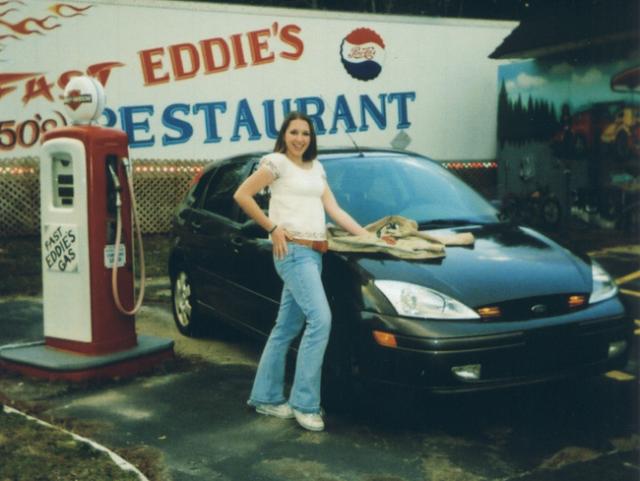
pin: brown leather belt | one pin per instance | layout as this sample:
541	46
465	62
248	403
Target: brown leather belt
321	246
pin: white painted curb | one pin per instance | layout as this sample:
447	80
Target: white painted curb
119	461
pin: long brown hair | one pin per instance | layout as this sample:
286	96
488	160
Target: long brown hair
312	150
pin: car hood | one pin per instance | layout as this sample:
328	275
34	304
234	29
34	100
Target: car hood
506	262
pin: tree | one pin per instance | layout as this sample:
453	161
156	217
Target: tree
504	110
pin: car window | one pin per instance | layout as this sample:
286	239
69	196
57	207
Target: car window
370	188
219	196
197	190
367	189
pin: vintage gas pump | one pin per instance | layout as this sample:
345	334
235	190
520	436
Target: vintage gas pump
84	207
87	219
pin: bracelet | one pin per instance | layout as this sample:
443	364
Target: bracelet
273	228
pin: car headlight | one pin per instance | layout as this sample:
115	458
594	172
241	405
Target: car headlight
603	286
417	301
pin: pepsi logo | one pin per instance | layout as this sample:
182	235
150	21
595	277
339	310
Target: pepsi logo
362	53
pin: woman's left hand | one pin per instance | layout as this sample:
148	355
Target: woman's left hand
279	238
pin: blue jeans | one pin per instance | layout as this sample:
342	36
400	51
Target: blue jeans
303	298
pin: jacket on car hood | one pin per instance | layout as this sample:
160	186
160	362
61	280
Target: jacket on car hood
407	241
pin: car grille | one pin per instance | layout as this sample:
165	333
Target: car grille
533	307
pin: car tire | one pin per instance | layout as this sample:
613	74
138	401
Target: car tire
186	312
551	212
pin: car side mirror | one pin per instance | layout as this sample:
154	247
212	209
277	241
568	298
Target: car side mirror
252	229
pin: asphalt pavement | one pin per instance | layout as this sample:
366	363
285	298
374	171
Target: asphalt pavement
191	413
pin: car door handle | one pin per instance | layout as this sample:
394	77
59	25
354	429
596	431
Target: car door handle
236	243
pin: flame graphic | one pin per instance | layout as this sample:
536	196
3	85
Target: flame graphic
13	77
23	29
59	7
31	25
8	78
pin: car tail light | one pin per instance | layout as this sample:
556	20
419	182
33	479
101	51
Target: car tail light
196	178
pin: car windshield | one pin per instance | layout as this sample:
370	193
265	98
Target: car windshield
372	187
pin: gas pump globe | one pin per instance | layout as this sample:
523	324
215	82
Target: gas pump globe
85	100
87	210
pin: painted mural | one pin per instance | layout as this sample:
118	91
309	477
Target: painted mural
569	140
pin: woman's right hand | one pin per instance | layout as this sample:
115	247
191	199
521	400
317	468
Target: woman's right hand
279	239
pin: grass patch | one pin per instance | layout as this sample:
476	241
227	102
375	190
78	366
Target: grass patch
28	449
33	452
20	266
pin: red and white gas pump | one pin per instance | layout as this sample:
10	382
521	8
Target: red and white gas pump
87	219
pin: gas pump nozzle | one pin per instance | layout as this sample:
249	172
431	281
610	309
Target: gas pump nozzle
116	186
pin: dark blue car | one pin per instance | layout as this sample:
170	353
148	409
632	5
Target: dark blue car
514	308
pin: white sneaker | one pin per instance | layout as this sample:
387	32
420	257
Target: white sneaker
310	421
282	411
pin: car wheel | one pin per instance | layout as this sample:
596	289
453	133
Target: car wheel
185	309
551	211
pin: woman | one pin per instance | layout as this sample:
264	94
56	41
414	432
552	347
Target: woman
300	196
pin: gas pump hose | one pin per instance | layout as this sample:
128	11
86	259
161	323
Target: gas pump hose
136	225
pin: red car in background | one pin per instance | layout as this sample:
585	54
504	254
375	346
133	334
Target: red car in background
580	132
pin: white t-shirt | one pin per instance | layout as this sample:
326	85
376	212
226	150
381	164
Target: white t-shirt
296	192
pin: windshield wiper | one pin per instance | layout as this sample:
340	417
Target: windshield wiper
448	223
